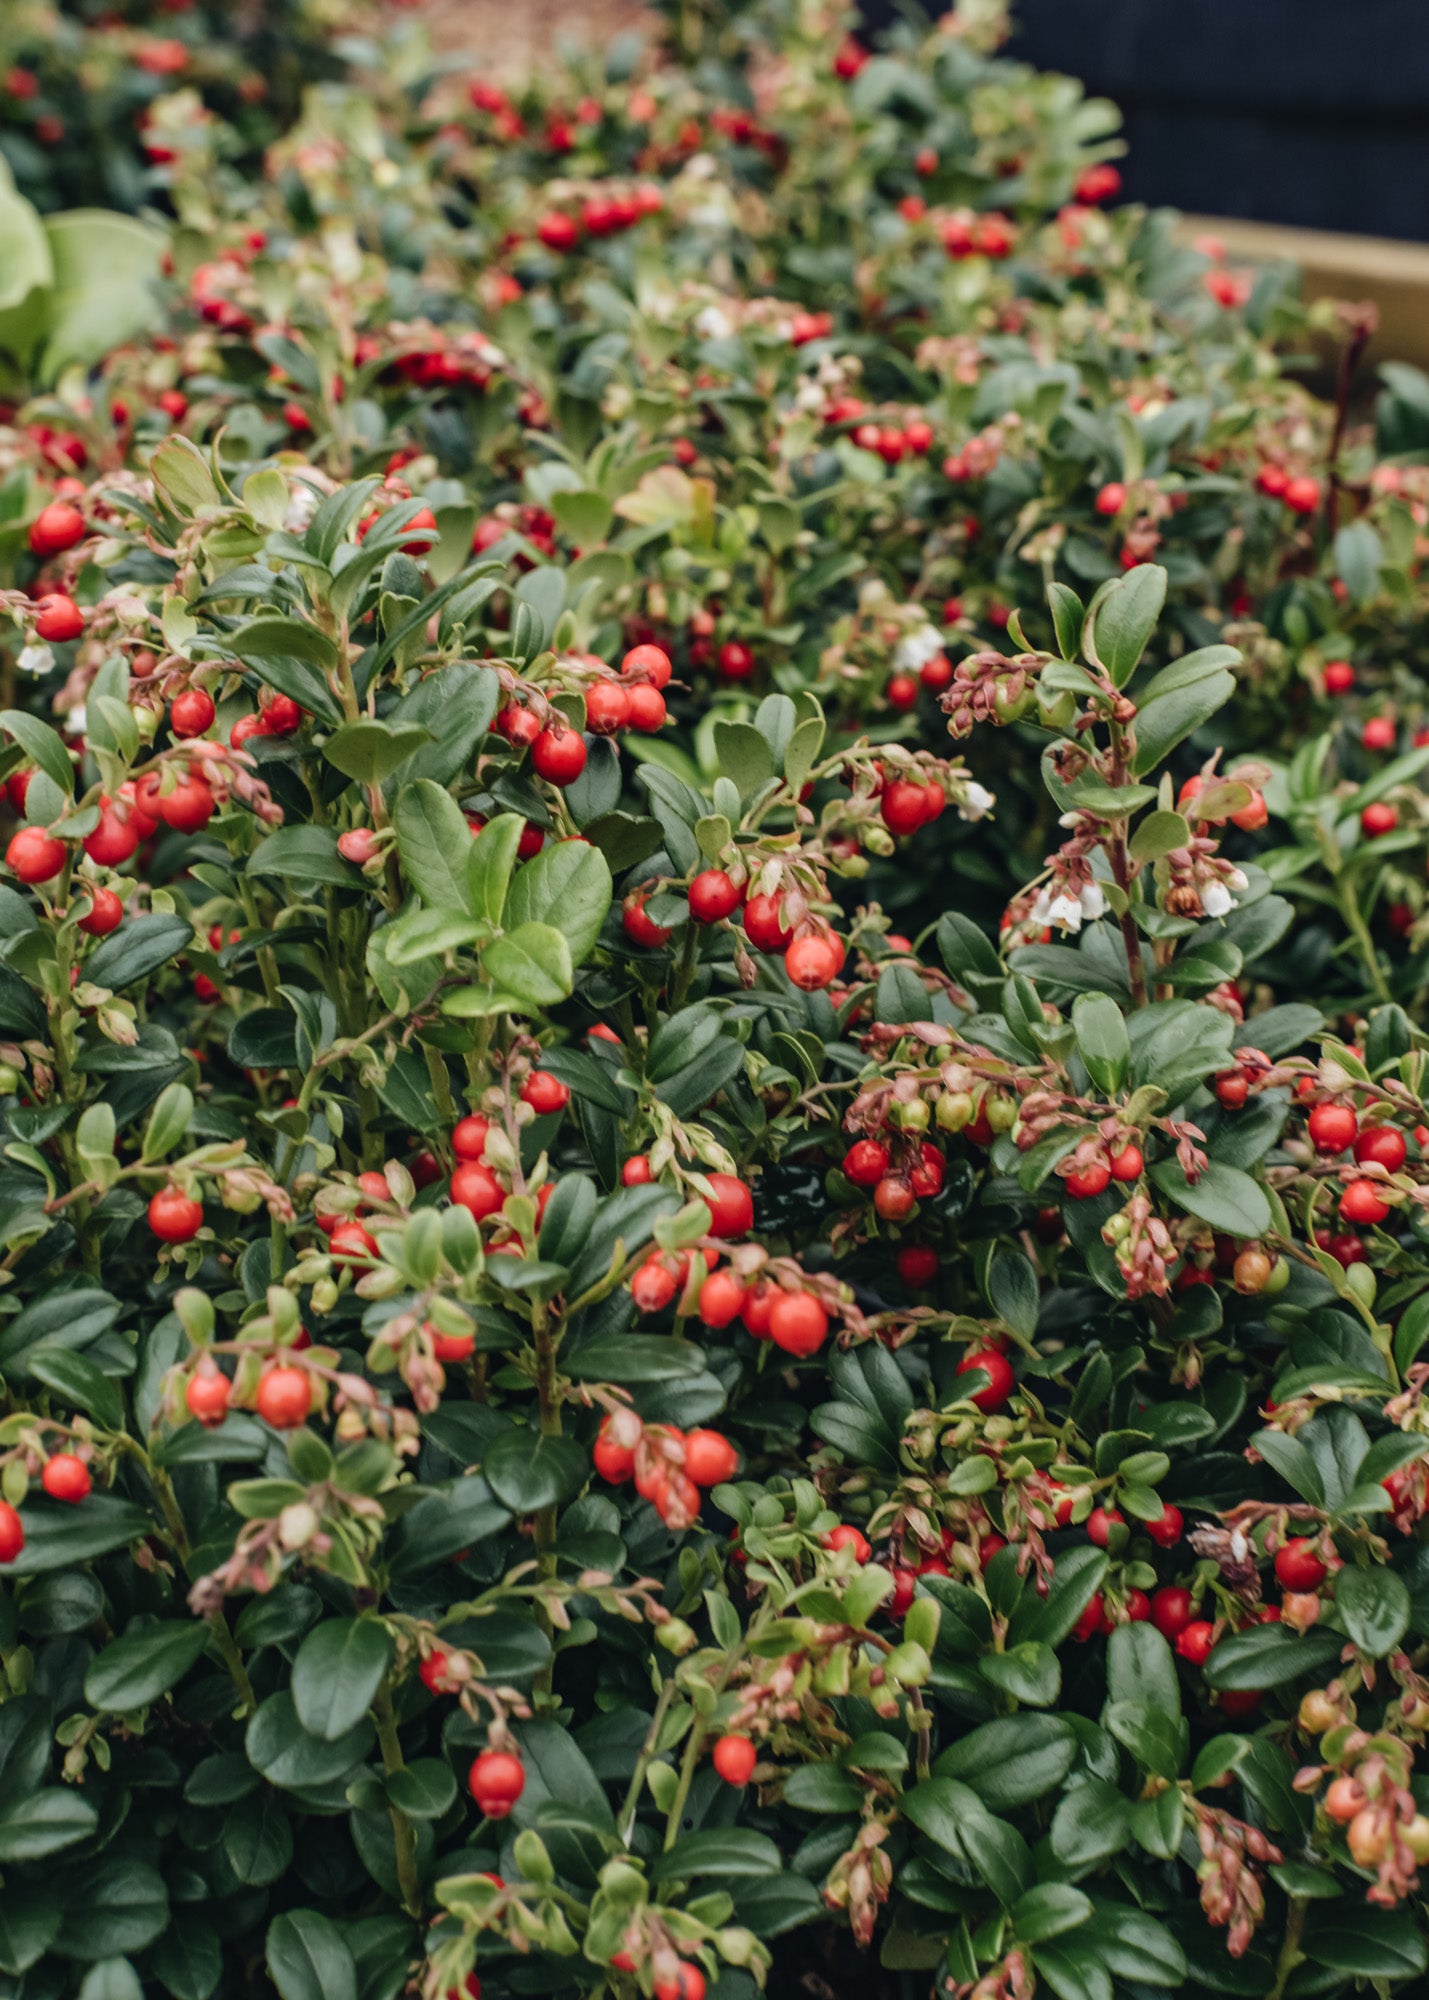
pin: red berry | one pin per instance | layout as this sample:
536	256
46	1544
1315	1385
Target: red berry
545	1093
106	913
1381	1146
1171	1610
58	619
736	661
901	692
713	896
1100	1523
559	231
518	725
1111	498
1090	1621
798	1323
636	1171
207	1395
687	1984
173	1217
34	855
66	1478
893	1198
991	1362
646	708
1168	1530
56	528
812	962
1127	1164
904	807
433	1672
496	1781
1232	1089
653	1286
191	712
559	755
721	1298
469	1136
614	1462
450	1347
731	1206
866	1162
1360	1203
1339	676
1194	1641
476	1188
734	1759
1298	1567
350	1243
639	928
762	925
607	708
650	663
358	845
1085	1182
918	1264
1332	1127
1138	1607
1378	733
188	807
1377	820
847	1536
710	1458
1302	495
116	836
12	1533
285	1397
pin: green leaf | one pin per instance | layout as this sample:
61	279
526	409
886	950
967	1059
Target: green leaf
303	855
1013	1291
1164	721
1092	1822
489	865
719	1853
955	1819
369	751
76	1380
140	946
29	1925
744	755
433	840
58	1536
1223	1196
567	886
528	1472
533	962
1374	1605
1029	1673
823	1788
105	289
1049	1909
42	745
337	1673
1125	619
1270	1655
290	1756
146	1662
308	1958
1369	1944
43	1823
1140	1667
184	476
1102	1040
1013	1760
1159	833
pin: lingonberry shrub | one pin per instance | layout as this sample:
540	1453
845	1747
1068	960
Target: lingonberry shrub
715	1189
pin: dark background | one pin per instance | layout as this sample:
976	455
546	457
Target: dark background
1312	112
